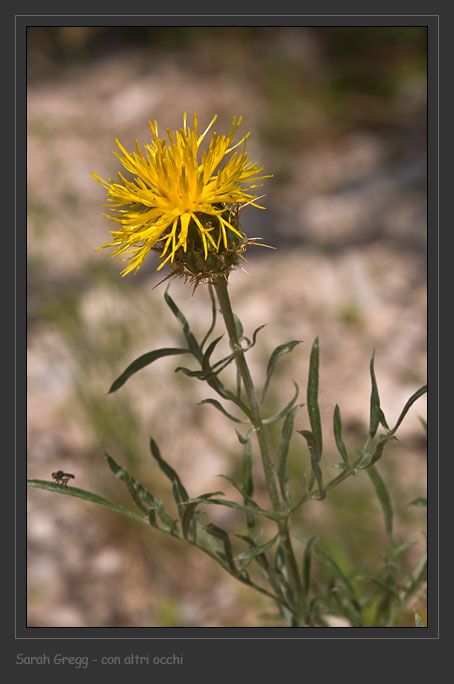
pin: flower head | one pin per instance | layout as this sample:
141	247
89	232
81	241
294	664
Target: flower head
181	196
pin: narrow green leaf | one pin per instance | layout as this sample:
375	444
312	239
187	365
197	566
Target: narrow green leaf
247	480
307	565
86	496
187	518
213	315
283	412
190	339
286	435
338	434
270	572
202	535
239	328
257	550
312	400
418	621
274	358
215	383
177	494
374	401
312	444
209	375
206	357
247	498
132	485
420	501
218	405
385	501
279	558
143	361
383	420
241	439
280	570
189	514
316	472
254	338
260	559
117	470
422	390
168	521
272	515
377	454
200	374
224	537
168	471
390	435
220	365
139	493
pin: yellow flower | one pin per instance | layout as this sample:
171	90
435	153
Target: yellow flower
173	190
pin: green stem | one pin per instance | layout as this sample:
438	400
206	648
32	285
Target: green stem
240	359
260	430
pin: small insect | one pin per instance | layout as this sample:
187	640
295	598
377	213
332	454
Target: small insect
62	478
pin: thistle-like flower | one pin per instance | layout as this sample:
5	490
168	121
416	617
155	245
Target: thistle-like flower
182	206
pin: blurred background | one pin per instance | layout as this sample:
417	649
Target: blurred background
338	115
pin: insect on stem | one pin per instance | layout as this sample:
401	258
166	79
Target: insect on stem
62	478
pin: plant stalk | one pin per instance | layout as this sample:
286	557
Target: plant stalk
262	439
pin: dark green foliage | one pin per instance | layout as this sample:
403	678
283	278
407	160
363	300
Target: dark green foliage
86	496
337	427
316	473
274	358
312	397
385	501
218	405
287	430
142	362
258	550
374	401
